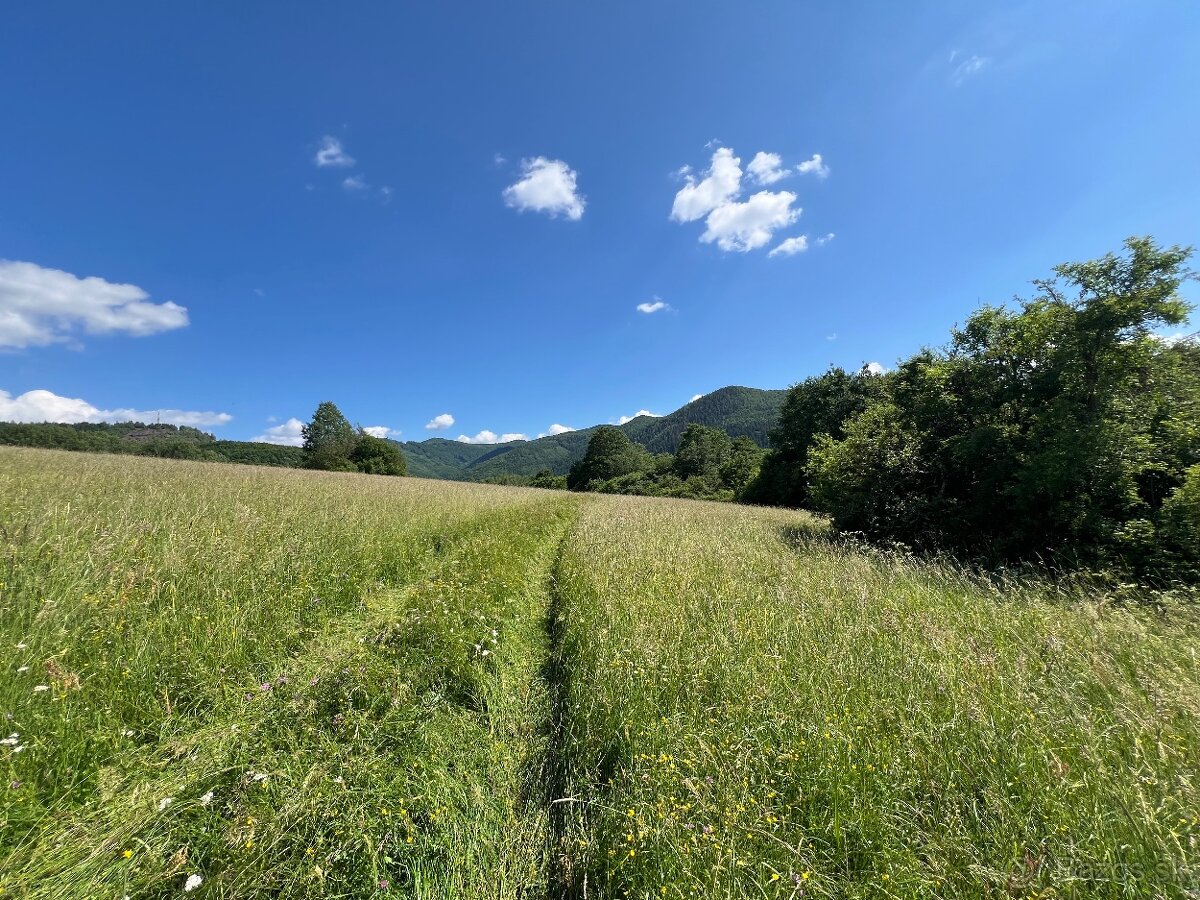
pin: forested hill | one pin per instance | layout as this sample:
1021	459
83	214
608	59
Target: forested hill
740	411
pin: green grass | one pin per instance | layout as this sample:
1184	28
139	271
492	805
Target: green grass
352	686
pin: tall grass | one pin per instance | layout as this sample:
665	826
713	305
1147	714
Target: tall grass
755	712
280	683
294	684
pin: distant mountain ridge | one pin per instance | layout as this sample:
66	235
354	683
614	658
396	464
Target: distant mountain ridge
739	411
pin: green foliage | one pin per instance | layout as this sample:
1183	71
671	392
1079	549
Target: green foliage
547	479
703	452
610	454
1058	428
377	456
329	440
1181	522
256	454
816	406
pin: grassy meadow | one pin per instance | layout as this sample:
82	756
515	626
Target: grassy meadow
239	682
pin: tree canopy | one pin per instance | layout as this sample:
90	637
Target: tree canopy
1062	427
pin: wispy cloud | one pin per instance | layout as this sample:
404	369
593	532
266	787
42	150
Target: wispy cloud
437	423
966	67
331	153
46	406
653	306
825	239
546	186
790	246
814	166
40	306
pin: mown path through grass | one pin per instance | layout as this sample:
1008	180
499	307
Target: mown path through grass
395	746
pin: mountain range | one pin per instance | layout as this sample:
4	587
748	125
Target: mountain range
739	411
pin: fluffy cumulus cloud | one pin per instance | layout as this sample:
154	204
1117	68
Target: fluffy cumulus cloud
767	168
490	437
790	246
875	368
721	183
546	186
289	434
652	306
733	223
695	397
331	153
556	429
814	166
749	225
40	306
382	431
640	412
437	423
45	406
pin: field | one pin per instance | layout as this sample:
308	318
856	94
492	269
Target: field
237	682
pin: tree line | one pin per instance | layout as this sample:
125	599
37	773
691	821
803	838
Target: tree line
1064	429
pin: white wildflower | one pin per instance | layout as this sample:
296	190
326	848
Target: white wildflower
206	799
11	741
193	882
258	776
23	669
40	688
165	802
22	646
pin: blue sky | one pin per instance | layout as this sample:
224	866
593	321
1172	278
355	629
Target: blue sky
515	195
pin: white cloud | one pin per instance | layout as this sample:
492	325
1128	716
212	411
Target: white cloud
654	306
640	412
831	337
45	406
968	68
382	431
331	153
721	184
41	306
825	239
875	368
790	246
354	183
490	437
546	185
744	226
1171	340
289	434
437	423
559	429
735	224
814	166
767	168
695	397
